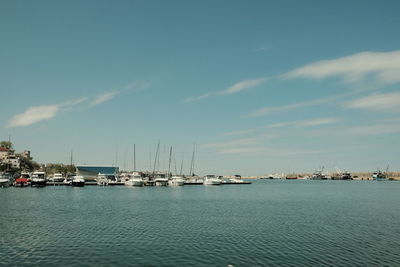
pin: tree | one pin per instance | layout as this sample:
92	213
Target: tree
6	144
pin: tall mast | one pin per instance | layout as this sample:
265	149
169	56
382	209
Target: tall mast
134	157
155	158
192	163
169	163
183	156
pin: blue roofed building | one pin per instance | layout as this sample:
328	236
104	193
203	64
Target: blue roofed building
91	172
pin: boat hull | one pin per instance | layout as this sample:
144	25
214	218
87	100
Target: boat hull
212	182
78	184
176	183
38	183
5	183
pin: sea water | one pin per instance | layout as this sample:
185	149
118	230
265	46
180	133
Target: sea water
270	222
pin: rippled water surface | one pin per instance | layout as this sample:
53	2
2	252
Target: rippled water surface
270	222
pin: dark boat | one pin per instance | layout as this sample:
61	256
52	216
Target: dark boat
78	181
38	179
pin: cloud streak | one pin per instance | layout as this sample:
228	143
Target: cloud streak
104	97
240	86
315	102
235	88
377	102
40	113
305	123
36	114
380	67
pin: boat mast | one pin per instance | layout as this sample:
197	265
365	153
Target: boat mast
191	172
134	157
155	158
183	155
169	163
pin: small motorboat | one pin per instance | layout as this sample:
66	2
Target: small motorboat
78	181
177	180
5	180
38	179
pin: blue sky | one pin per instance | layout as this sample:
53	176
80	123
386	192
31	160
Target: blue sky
259	86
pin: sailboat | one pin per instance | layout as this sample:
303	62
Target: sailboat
193	179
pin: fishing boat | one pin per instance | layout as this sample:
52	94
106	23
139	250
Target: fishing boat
177	180
78	181
318	175
38	179
346	176
212	180
23	180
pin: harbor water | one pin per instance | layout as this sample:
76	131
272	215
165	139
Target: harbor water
270	222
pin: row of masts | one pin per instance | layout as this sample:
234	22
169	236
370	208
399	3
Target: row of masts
156	164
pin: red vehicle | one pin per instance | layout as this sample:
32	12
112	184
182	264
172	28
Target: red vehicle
23	180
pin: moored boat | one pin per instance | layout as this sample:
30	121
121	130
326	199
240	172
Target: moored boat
38	179
379	176
177	180
5	180
68	179
102	179
160	180
57	178
211	180
78	181
135	180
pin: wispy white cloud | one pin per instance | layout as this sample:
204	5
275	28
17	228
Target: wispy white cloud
235	88
237	142
242	150
196	98
265	151
36	114
305	123
377	102
104	97
384	126
240	86
240	132
315	102
380	67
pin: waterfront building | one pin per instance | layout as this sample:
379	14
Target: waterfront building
91	172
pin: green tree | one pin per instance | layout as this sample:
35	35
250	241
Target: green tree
6	144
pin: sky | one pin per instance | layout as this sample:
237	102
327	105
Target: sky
256	87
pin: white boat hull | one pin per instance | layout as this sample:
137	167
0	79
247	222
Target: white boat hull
176	182
212	182
134	183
